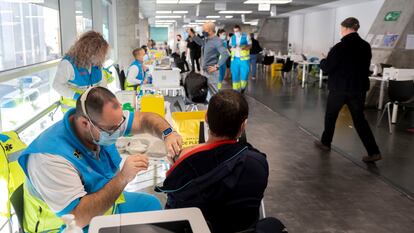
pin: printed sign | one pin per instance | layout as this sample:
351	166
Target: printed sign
390	40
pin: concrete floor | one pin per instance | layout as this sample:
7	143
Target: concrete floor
315	191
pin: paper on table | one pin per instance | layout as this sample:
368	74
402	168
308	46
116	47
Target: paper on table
410	42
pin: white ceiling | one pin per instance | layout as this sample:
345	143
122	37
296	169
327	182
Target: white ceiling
207	7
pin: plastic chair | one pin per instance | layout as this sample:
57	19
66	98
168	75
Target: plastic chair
400	93
287	67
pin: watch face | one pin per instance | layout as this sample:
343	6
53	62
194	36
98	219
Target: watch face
167	131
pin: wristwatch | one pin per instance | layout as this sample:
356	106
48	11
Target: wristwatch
167	132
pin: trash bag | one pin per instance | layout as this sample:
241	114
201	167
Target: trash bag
196	87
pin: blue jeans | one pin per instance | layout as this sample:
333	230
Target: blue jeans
253	61
138	202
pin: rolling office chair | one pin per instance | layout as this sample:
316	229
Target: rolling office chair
400	93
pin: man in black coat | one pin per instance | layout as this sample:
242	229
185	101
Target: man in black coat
347	66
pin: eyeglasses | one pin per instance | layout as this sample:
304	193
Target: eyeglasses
108	131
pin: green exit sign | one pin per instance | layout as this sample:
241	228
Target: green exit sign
392	16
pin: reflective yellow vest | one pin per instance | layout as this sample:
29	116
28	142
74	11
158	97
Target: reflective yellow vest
244	54
11	174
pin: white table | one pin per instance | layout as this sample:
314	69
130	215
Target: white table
305	65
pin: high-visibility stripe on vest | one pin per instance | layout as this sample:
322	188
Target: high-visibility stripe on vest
140	77
11	174
95	173
83	79
244	54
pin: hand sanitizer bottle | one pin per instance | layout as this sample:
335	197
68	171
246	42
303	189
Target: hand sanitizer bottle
71	227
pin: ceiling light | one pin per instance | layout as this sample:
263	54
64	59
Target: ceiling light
162	25
212	16
235	12
189	1
167	1
229	16
267	1
79	12
252	23
180	12
168	16
165	21
204	21
264	7
163	12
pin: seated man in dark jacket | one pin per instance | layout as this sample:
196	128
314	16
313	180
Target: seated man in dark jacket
225	178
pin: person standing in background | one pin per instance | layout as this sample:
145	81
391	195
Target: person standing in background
195	51
167	48
240	45
347	66
214	53
222	70
80	68
181	49
256	49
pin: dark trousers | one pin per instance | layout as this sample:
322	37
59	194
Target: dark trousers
195	60
184	58
355	103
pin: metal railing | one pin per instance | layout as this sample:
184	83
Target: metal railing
26	70
39	116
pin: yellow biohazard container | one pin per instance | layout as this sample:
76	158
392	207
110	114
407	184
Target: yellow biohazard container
153	103
187	124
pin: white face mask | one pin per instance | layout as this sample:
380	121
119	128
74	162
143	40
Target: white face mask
223	36
146	58
237	34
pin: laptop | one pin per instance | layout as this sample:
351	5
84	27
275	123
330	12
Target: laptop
166	78
185	220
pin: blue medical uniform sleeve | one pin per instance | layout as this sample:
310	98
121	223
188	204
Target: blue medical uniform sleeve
129	121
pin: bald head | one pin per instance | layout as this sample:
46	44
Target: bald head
210	28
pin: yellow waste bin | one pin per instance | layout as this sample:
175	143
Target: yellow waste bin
153	103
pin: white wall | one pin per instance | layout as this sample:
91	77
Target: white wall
295	36
316	32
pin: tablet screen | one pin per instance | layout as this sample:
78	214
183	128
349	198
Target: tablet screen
182	226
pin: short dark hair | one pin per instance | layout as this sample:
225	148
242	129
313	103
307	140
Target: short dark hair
227	110
136	51
94	103
221	30
231	34
145	48
351	22
179	35
237	26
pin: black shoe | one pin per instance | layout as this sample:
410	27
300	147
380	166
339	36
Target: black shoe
371	158
321	146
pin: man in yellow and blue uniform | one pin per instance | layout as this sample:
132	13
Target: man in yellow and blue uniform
74	167
136	71
240	44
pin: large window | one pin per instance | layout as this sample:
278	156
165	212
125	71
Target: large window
24	97
83	15
106	7
29	33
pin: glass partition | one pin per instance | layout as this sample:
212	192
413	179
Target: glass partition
24	97
83	16
29	33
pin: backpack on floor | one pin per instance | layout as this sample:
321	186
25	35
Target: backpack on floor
196	87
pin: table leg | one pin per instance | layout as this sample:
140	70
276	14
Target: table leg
320	77
381	95
394	114
303	75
